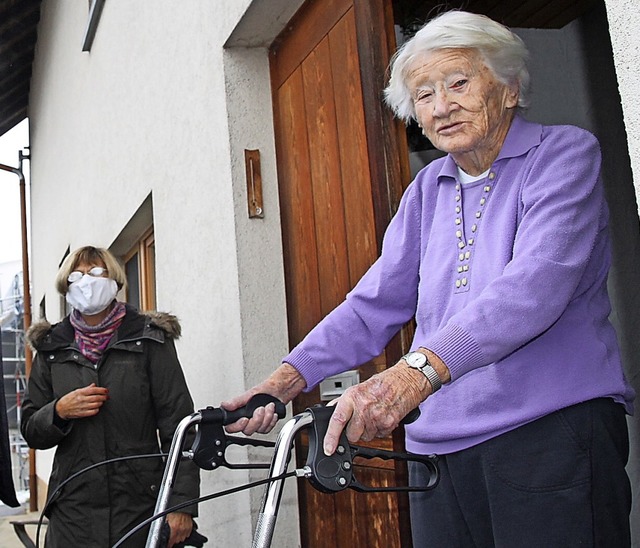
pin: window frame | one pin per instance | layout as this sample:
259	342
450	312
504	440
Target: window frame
144	252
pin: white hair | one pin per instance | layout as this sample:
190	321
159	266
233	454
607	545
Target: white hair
502	51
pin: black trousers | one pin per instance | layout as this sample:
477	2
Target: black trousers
559	481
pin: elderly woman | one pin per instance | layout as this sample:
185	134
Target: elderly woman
500	252
106	383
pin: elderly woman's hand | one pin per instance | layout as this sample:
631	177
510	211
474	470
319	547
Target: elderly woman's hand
375	407
285	383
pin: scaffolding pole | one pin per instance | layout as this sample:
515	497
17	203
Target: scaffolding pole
33	485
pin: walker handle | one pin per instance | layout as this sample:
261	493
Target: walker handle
411	416
259	400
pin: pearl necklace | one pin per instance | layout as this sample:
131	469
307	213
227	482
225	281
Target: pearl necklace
465	244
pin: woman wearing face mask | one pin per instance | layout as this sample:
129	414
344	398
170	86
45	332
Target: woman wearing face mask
106	383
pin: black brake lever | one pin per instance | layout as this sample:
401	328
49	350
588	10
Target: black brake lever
211	441
330	474
430	461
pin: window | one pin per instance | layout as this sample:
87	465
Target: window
140	268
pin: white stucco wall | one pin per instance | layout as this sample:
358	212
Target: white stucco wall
624	22
146	112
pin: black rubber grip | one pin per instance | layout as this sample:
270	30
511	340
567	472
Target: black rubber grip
411	416
259	400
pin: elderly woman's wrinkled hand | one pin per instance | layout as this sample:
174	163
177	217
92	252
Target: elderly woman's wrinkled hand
285	383
375	407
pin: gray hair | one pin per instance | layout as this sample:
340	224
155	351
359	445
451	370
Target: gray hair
503	52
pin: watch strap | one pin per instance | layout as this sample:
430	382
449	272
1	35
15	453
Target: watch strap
433	377
427	370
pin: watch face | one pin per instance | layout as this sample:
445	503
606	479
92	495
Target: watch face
415	359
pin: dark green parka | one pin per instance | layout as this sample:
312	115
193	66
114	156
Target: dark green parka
148	397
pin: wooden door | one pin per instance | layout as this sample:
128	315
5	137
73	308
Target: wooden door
340	179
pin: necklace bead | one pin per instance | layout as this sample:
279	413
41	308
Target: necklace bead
465	256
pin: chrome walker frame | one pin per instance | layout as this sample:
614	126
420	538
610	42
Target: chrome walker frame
328	474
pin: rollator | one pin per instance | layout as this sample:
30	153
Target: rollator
328	474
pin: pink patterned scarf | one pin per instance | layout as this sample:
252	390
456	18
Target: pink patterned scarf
93	339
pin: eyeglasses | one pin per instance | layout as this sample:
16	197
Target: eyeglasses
96	272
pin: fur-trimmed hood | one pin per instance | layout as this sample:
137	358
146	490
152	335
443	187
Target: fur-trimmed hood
167	322
37	333
43	332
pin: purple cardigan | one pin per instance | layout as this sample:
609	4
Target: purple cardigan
506	278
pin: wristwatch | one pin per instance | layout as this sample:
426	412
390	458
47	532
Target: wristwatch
419	361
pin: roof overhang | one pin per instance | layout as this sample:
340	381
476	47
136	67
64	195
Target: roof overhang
18	34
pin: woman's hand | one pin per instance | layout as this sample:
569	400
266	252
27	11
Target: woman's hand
375	407
180	525
82	402
285	383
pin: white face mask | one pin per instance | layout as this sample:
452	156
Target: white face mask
91	295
